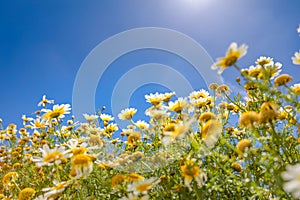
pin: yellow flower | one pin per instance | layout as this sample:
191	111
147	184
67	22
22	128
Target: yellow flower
223	89
268	111
282	79
10	176
154	99
199	94
264	61
127	114
56	190
207	116
11	129
38	123
142	186
247	119
213	86
95	140
296	58
254	71
232	55
51	156
45	101
178	105
57	112
26	119
133	177
83	165
175	131
142	124
133	137
26	194
237	167
296	88
211	132
117	180
111	128
167	96
90	118
243	145
106	117
191	171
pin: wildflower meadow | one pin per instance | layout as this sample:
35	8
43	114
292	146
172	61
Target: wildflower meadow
209	145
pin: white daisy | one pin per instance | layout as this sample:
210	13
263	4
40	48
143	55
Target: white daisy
56	190
296	58
90	118
51	156
127	113
142	186
292	178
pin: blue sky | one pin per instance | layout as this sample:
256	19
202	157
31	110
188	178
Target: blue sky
43	43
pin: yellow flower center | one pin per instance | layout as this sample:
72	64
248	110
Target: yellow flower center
81	160
60	186
79	150
52	157
192	171
143	187
26	194
230	59
134	177
54	114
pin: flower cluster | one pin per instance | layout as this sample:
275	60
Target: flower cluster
208	145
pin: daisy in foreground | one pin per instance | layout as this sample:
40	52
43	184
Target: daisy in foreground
56	190
232	55
191	171
292	178
57	112
142	186
51	156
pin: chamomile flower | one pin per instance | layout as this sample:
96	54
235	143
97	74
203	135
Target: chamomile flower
9	177
296	58
199	94
296	88
55	190
39	123
157	114
178	105
57	112
232	55
142	186
82	164
191	171
142	124
154	99
127	113
106	117
264	61
26	119
175	131
45	101
26	194
167	96
211	131
90	118
51	156
291	176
